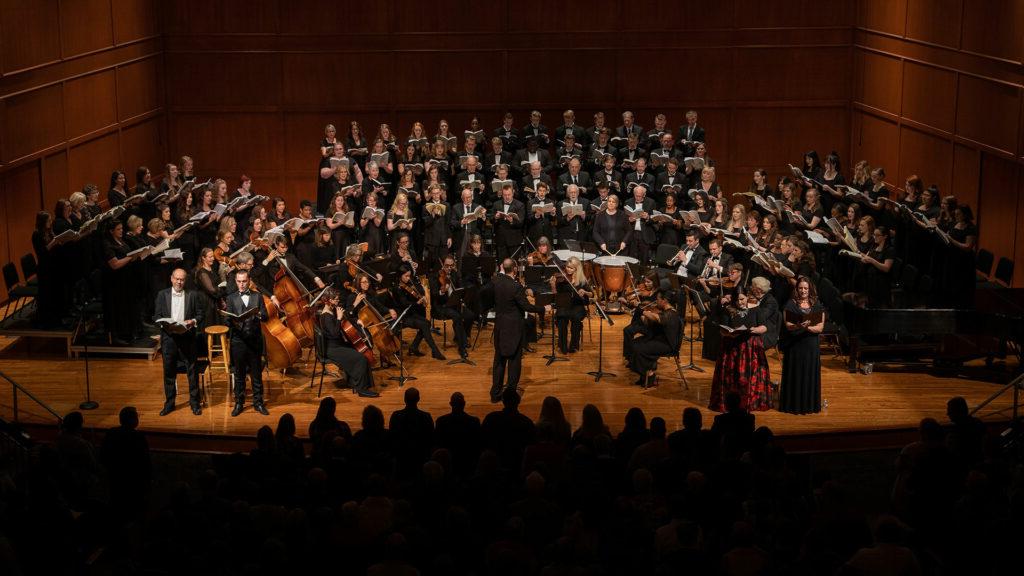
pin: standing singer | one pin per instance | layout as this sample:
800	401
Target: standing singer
247	343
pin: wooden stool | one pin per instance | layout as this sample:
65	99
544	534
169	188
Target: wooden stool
223	347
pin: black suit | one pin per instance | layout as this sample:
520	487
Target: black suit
247	345
509	332
511	139
576	228
678	179
582	180
508	235
540	132
528	182
576	130
685	135
641	241
647	181
614	181
538	225
623	132
175	348
462	232
492	159
481	189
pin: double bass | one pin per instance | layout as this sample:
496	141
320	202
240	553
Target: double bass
282	347
292	296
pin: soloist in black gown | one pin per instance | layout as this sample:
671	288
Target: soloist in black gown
800	387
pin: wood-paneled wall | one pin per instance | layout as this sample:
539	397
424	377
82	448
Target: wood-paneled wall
937	92
260	80
80	95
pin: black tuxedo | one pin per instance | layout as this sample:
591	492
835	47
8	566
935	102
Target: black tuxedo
481	189
582	180
596	155
509	332
623	132
508	235
678	179
575	229
614	181
511	139
664	155
627	154
647	181
538	226
576	130
175	348
540	132
491	159
247	345
543	156
696	263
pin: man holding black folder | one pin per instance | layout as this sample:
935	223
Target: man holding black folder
178	311
245	312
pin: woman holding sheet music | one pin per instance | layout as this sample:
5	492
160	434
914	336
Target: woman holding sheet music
341	222
800	387
760	184
121	316
50	303
372	229
356	144
669	232
205	281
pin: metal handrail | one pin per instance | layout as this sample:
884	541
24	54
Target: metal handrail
15	387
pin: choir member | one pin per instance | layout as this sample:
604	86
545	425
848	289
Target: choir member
690	134
539	221
597	127
400	218
608	174
437	238
640	176
418	138
462	224
876	271
574	176
121	315
444	135
372	227
639	209
707	182
509	216
525	158
324	251
329	140
568	127
373	182
670	181
538	132
628	127
760	185
341	223
92	200
204	278
280	214
509	135
574	226
800	387
117	193
566	153
355	143
50	302
601	148
472	176
498	154
963	240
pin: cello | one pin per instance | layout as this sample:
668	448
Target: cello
291	294
282	347
384	340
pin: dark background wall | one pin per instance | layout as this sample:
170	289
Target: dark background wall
937	93
923	87
80	95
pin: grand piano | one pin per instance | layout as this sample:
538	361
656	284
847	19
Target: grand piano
945	336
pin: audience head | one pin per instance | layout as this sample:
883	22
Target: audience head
658	427
128	417
412	397
457	402
510	399
692	419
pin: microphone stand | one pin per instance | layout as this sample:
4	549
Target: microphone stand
89	403
401	378
599	373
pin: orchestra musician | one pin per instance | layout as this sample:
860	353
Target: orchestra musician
470	268
184	308
442	286
509	217
510	304
661	337
247	342
401	254
572	227
612	230
580	294
641	299
542	256
339	350
280	256
409	295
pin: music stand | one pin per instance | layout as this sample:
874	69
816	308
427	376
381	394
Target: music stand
702	313
488	262
665	252
401	378
457	301
599	373
557	301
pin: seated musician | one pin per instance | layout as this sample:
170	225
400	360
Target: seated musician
279	262
339	350
472	273
402	253
642	299
442	286
542	256
411	298
718	295
662	337
580	293
350	268
716	265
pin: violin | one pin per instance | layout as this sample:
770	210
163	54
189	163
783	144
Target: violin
219	254
411	289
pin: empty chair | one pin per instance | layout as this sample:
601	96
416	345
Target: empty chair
983	263
1004	271
30	269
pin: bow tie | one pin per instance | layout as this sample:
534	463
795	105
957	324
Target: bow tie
246	293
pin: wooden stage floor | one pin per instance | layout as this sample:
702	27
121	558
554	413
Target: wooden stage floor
886	399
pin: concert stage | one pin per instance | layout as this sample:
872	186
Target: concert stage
886	400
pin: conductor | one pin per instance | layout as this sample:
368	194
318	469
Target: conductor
510	304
